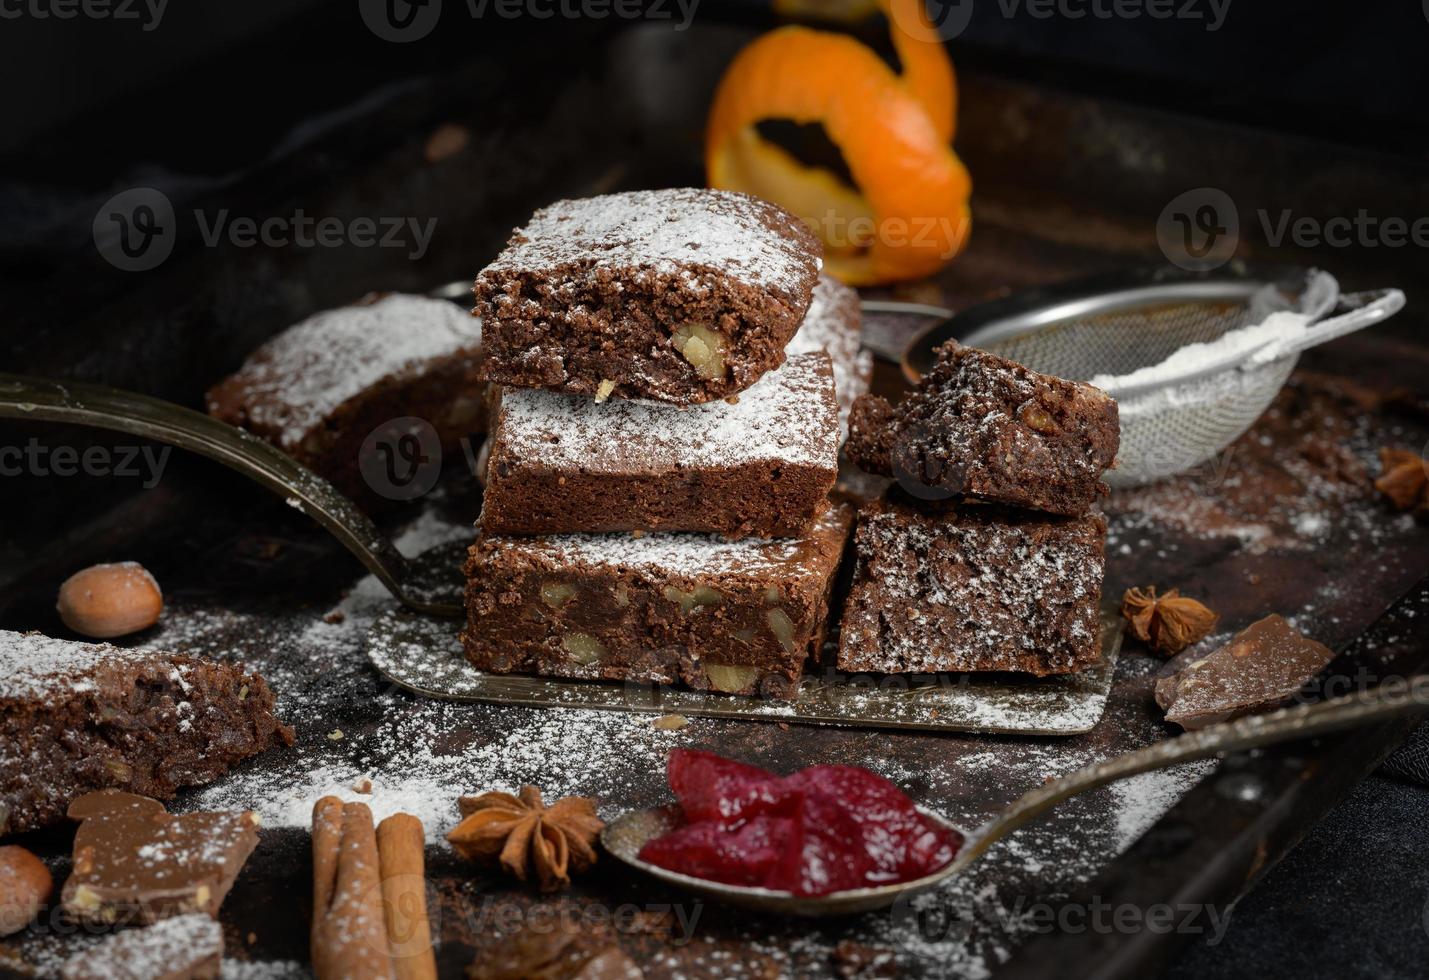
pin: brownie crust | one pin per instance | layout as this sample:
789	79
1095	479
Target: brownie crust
761	467
684	295
317	390
945	587
739	617
77	717
984	427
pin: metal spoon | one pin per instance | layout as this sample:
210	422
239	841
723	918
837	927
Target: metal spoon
626	835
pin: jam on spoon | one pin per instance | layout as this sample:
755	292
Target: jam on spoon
820	830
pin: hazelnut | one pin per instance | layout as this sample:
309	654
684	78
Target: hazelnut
25	885
731	678
105	601
583	648
1035	417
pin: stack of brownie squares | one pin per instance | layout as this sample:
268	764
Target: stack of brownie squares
672	379
986	554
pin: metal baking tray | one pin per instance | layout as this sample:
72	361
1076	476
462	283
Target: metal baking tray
423	654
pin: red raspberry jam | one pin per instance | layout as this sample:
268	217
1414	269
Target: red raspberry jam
823	829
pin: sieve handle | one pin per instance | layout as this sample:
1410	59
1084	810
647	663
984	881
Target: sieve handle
1366	308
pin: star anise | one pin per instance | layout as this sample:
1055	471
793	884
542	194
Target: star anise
1169	623
528	838
1404	479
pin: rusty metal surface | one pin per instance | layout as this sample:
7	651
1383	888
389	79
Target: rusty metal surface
1284	521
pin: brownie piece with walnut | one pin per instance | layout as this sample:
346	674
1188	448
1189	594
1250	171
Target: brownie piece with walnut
984	427
320	388
741	617
76	717
762	466
683	295
975	587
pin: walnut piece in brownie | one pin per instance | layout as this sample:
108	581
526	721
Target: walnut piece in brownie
762	466
741	617
834	325
76	717
318	389
135	862
683	295
186	947
942	587
981	426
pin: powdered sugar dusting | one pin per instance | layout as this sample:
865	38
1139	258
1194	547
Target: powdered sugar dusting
35	666
788	416
662	231
834	324
167	947
679	554
298	378
1263	342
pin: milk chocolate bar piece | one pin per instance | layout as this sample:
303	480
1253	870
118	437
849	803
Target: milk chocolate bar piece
682	295
1260	668
187	947
984	427
762	466
135	862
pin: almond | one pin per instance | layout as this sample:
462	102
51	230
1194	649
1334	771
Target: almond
25	885
105	601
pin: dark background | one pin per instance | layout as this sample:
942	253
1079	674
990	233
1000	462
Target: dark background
258	103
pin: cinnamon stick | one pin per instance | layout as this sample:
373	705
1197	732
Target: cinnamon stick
400	845
349	935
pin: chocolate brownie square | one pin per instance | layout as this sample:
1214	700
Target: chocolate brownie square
763	465
981	426
834	325
942	587
741	617
187	947
320	388
76	717
682	295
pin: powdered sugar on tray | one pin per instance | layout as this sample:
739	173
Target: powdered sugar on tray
1259	344
297	379
663	231
788	416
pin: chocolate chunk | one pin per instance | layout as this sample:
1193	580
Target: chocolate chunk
135	862
187	947
1263	665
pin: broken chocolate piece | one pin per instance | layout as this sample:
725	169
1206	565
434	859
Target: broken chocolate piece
187	947
1262	666
136	863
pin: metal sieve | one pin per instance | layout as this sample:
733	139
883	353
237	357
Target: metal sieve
1117	325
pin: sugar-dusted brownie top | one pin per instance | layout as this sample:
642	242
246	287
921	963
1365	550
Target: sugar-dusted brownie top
788	416
940	587
682	296
294	383
797	561
982	426
834	324
81	716
683	231
184	946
